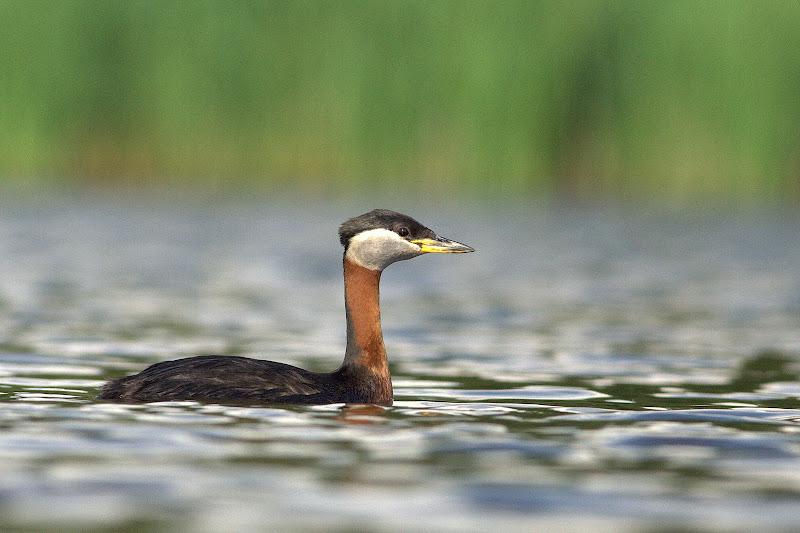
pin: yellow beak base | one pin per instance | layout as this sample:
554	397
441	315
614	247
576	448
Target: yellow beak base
441	245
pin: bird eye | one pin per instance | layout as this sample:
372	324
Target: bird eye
403	232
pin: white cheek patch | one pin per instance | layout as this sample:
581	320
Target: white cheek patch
376	249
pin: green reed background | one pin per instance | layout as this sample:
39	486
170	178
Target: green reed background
673	100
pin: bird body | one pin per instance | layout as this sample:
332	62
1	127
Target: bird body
372	242
235	379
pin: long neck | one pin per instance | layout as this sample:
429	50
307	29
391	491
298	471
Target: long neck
365	353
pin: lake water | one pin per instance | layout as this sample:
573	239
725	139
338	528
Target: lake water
584	370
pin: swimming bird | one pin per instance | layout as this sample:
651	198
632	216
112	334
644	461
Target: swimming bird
371	242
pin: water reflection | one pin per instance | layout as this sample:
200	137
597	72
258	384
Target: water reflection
611	373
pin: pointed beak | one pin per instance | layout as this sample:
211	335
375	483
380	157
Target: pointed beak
442	246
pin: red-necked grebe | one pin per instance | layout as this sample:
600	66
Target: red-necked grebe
371	242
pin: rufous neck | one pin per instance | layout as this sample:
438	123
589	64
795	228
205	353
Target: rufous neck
365	349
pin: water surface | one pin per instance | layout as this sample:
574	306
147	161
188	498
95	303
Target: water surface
582	371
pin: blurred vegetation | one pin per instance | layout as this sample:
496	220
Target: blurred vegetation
673	100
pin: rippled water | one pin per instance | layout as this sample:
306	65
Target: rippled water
582	371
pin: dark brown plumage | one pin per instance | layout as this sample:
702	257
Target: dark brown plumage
232	379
